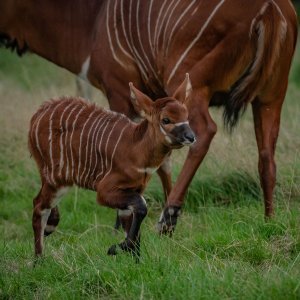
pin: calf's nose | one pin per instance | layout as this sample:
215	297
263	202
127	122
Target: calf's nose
190	136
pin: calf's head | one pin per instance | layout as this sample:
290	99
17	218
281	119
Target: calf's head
169	116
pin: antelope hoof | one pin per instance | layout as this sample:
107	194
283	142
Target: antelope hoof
168	220
126	246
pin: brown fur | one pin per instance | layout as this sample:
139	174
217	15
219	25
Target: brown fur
75	142
220	61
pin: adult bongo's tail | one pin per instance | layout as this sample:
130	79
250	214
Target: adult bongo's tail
269	30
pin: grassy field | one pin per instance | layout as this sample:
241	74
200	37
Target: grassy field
222	247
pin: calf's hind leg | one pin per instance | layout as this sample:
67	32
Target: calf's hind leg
41	213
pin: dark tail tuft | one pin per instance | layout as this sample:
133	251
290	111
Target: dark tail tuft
236	104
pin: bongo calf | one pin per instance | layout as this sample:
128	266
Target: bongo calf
76	142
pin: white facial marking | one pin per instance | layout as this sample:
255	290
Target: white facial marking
181	123
184	54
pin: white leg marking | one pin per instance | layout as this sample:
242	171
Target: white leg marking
85	68
182	57
61	161
176	24
80	146
45	213
59	194
124	212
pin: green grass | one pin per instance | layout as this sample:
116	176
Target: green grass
222	247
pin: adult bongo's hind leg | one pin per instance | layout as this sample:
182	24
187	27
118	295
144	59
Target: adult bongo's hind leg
266	116
41	212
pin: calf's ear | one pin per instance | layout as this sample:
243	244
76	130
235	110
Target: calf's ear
142	104
184	91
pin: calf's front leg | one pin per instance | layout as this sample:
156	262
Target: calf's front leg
132	211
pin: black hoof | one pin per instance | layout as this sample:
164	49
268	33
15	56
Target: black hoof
168	220
112	250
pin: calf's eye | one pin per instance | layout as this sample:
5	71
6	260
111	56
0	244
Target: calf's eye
166	121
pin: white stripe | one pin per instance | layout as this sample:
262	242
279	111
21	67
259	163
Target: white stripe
168	21
61	161
156	42
51	141
109	37
100	148
113	154
141	44
117	33
128	43
66	141
88	144
176	24
181	123
71	139
99	131
195	40
93	144
143	67
157	23
149	26
37	129
80	145
109	135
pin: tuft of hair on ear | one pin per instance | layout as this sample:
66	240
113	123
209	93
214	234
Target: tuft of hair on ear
141	102
184	91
